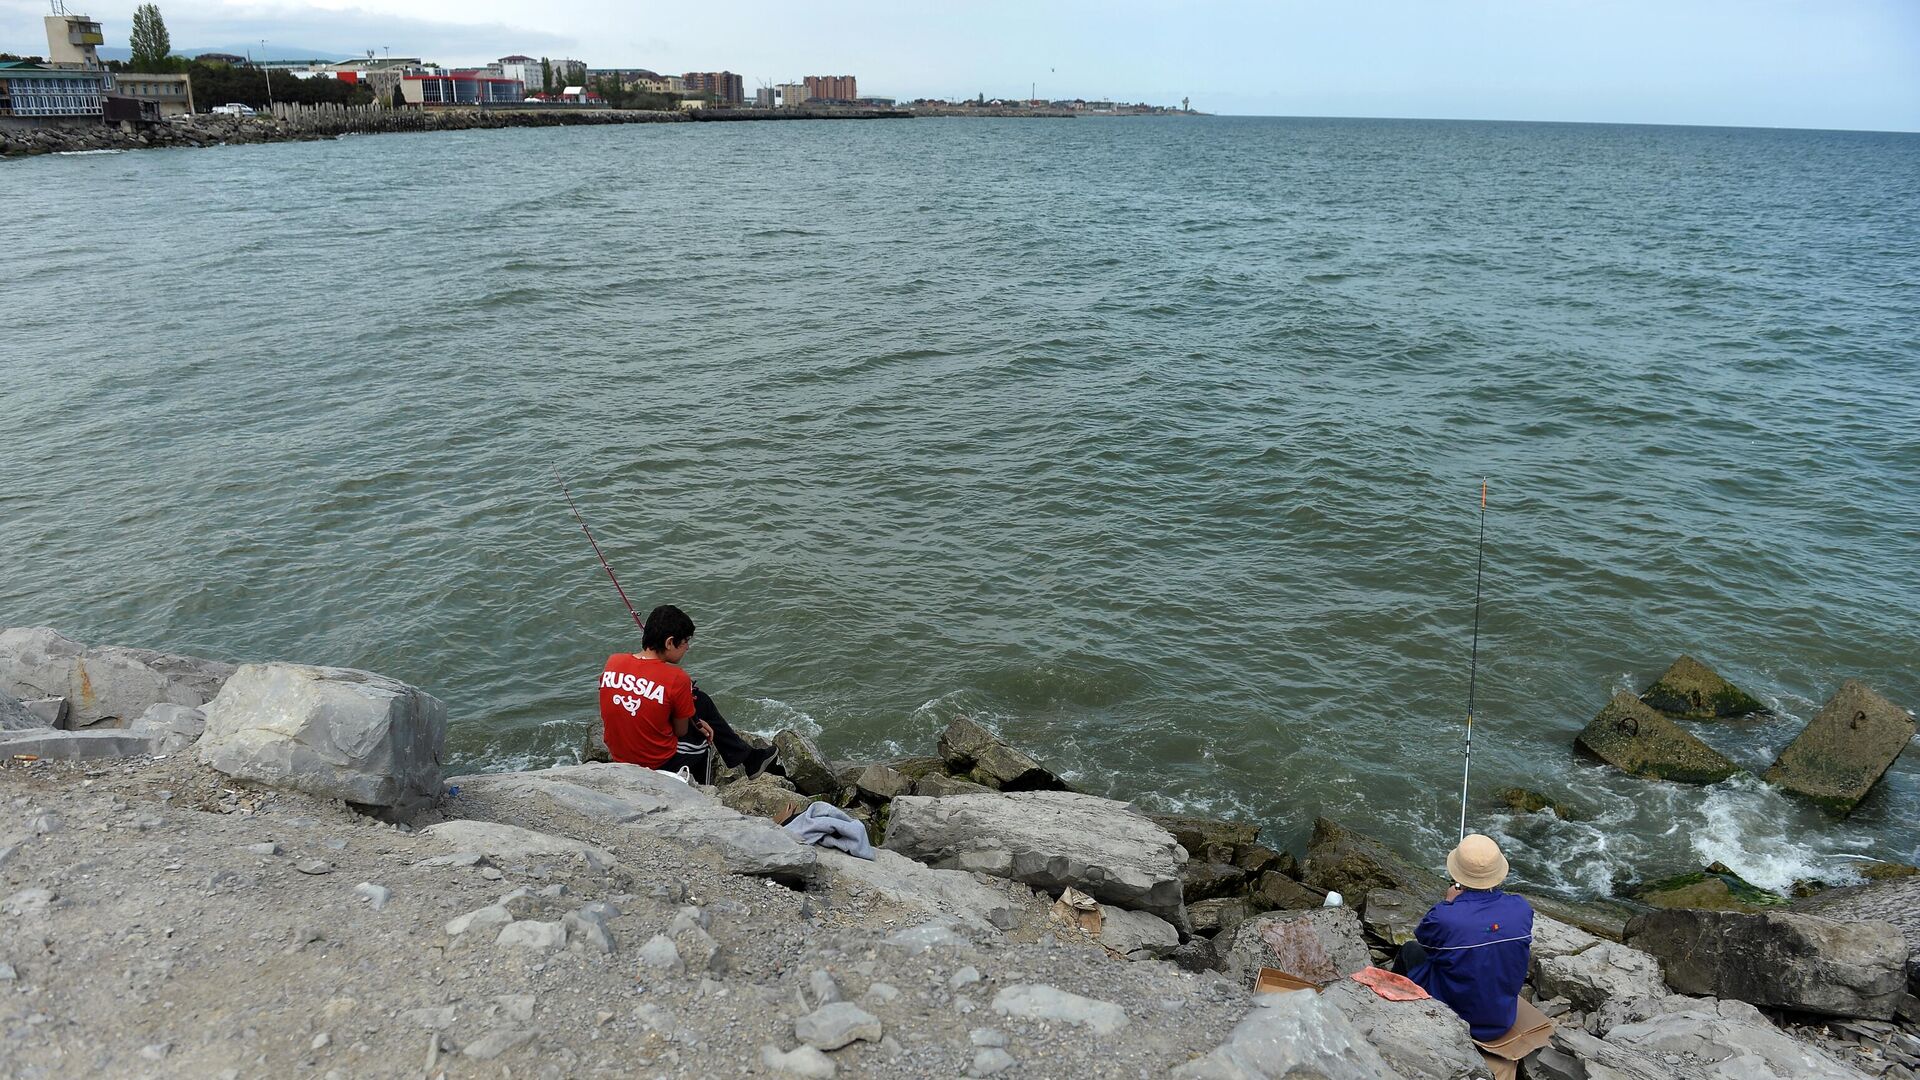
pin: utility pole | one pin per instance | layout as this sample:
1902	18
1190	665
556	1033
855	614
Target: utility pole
266	71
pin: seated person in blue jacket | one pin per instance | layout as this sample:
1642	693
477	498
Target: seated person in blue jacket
1471	950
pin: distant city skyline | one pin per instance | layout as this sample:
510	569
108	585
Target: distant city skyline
1763	63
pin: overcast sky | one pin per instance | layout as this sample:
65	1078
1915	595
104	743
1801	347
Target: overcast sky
1774	63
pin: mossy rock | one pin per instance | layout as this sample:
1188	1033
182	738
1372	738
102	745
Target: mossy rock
914	768
1691	690
1887	871
1635	739
1527	801
1714	889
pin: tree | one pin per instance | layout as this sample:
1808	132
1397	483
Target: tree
546	76
151	46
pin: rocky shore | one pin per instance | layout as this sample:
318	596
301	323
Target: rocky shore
206	129
213	870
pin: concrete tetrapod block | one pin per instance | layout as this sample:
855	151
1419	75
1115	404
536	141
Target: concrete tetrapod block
1849	745
1779	959
334	732
1634	738
1694	691
1049	840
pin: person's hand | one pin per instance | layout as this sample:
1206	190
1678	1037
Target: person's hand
707	730
1453	893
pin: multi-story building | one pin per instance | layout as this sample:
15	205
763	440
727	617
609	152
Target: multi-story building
35	92
524	68
792	95
71	40
459	88
838	88
726	87
171	94
763	97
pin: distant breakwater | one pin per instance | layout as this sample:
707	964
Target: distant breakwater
305	124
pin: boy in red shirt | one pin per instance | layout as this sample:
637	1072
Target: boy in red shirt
654	716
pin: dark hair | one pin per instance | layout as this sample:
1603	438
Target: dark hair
663	622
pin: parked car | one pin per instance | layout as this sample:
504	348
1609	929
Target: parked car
233	108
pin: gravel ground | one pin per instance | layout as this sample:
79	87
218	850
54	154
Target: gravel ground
146	931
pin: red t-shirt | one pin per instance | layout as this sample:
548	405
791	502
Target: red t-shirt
639	700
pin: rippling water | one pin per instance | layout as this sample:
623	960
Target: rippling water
1155	443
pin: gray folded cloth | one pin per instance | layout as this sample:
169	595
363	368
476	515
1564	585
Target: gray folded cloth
826	825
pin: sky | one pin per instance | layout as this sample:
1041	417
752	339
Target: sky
1763	63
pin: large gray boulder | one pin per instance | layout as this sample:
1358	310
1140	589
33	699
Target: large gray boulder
611	795
1049	840
108	684
1604	972
1849	745
1779	959
1636	739
1296	1036
1347	862
1320	946
334	732
1209	839
1424	1040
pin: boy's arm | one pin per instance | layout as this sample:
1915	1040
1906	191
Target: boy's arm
682	704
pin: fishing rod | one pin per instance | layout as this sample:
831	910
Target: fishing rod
637	620
1473	669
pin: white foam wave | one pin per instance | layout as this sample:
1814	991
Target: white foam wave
776	715
1740	828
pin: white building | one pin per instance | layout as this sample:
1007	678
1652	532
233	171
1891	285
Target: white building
524	68
792	95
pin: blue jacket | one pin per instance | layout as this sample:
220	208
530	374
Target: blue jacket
1477	947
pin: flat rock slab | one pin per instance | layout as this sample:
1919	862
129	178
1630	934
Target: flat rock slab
653	802
91	745
1320	946
1049	840
1037	1001
1636	739
936	892
1295	1036
1691	690
1779	959
1137	935
1733	1036
1849	745
513	845
334	732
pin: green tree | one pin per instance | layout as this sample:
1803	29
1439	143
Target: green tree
546	76
151	46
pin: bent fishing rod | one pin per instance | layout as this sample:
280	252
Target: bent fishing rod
637	620
1473	668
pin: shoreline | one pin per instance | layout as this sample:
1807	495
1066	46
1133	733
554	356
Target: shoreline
262	867
317	124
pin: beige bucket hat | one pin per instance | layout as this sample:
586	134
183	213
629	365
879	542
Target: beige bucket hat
1477	862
